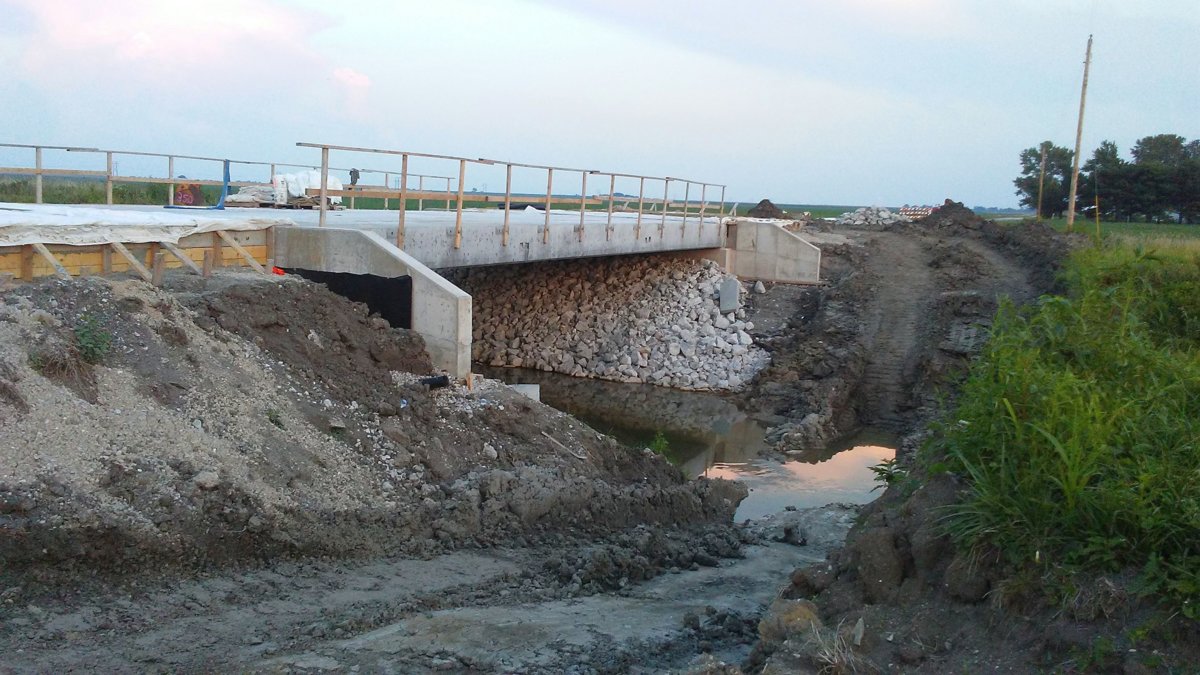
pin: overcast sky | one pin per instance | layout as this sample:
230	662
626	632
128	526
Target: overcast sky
802	101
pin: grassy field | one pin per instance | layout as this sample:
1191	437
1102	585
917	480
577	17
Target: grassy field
1079	427
59	191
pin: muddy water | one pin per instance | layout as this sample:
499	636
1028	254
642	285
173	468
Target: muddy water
708	435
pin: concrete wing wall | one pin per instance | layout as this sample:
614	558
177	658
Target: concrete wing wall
764	250
441	311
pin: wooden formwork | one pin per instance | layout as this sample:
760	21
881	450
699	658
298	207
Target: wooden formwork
199	253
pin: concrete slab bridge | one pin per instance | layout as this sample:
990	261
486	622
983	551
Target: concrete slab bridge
428	230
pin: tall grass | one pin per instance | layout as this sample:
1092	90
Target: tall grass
1079	428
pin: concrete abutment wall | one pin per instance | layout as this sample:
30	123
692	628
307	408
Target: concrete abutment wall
764	250
441	312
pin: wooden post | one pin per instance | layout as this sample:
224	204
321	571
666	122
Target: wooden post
549	196
637	229
207	268
158	269
662	224
420	190
582	204
37	178
403	199
387	185
27	262
151	251
448	193
462	178
722	210
608	227
703	204
108	180
170	186
507	202
324	184
687	192
218	255
1087	64
106	260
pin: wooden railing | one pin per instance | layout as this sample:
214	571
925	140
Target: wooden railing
39	170
550	198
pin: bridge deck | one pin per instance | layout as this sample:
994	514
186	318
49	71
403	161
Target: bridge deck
429	236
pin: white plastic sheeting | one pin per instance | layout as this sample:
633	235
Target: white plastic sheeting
22	224
297	184
284	188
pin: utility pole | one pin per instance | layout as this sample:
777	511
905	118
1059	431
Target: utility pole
1041	183
1087	64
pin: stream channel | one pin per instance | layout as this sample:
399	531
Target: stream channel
707	435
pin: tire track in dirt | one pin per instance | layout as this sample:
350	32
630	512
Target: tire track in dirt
897	311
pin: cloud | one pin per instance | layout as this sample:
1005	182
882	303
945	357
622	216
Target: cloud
159	36
351	78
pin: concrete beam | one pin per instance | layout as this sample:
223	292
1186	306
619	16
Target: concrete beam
441	311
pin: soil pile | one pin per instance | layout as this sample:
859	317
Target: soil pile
262	418
765	209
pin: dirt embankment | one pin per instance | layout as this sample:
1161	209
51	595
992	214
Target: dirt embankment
894	330
901	314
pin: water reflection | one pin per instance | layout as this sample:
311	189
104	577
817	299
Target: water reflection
844	477
709	436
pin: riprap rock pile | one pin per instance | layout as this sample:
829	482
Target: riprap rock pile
871	217
654	320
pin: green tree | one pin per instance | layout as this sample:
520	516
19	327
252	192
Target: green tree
1166	149
1171	175
1104	173
1057	181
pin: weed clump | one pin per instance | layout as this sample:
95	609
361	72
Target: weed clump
1079	429
92	340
